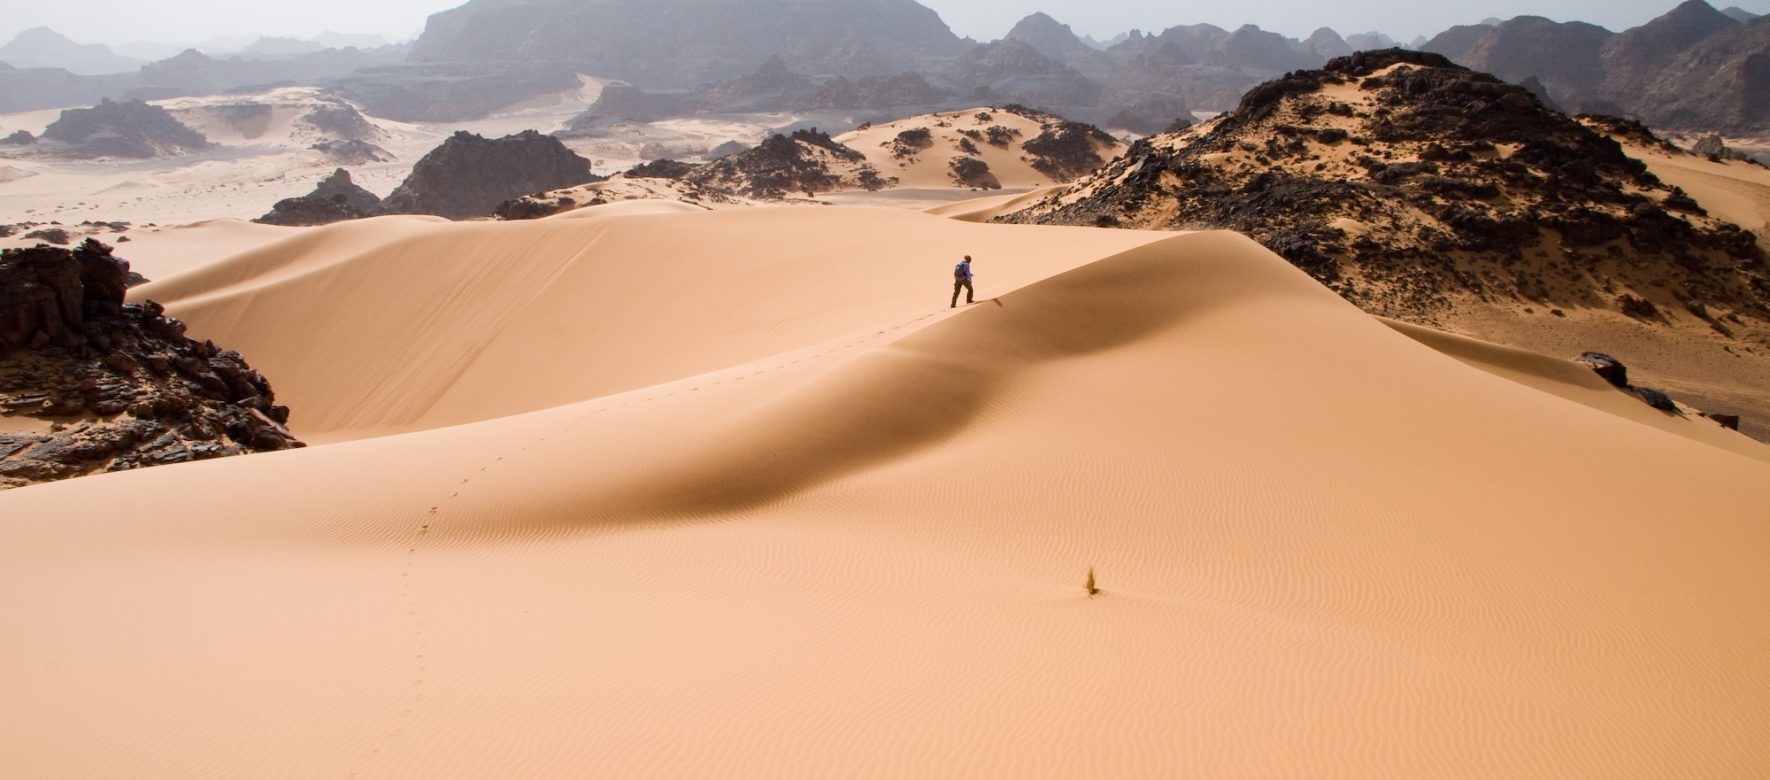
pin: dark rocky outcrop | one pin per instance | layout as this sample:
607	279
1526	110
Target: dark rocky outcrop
336	199
118	386
19	138
1063	150
661	169
469	176
974	173
130	129
1611	369
52	235
1433	184
1617	374
534	207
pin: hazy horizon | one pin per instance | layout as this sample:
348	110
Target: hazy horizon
115	23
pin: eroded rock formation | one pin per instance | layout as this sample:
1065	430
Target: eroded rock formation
92	384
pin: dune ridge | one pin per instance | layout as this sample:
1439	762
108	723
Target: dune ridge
497	311
850	538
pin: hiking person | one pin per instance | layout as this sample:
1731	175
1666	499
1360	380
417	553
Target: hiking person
962	280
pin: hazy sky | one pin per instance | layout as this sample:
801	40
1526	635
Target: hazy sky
182	21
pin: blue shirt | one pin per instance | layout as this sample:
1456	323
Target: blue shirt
962	273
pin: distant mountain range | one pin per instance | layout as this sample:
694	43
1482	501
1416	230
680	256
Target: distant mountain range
1694	68
41	47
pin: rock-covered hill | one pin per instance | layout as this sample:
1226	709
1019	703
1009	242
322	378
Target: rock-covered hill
984	148
131	129
980	148
1407	183
469	175
807	162
90	384
336	199
803	164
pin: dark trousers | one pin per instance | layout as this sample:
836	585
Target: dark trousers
961	284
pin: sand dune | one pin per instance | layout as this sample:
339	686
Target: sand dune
159	252
739	496
988	208
1738	192
493	319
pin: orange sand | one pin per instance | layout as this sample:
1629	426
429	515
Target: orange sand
737	495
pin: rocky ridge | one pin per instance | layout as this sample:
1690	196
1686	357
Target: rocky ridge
1407	182
90	384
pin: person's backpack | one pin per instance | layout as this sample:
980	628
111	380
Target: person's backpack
959	271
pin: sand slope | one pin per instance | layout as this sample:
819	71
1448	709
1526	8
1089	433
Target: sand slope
409	323
844	538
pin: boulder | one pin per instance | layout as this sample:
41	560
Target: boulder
1606	366
1655	398
1728	421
